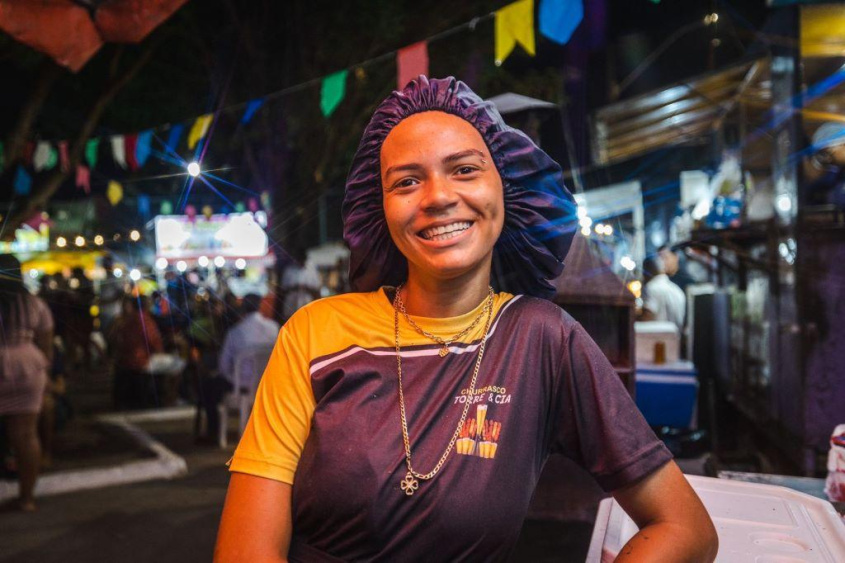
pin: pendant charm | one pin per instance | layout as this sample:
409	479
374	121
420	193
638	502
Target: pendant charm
409	484
443	351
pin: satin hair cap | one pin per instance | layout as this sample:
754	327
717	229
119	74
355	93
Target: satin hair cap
540	219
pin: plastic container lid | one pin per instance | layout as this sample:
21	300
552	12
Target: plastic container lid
755	522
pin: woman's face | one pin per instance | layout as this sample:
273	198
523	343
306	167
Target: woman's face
443	197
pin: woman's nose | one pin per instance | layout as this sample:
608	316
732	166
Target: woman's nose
439	193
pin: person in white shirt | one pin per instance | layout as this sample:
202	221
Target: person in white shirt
663	300
252	330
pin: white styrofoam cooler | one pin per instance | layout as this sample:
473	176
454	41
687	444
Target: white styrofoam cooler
649	333
755	522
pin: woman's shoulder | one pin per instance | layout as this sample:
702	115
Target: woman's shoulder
535	309
344	305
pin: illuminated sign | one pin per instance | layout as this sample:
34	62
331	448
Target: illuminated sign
235	234
28	239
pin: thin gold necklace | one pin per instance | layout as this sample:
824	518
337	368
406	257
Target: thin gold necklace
410	483
444	344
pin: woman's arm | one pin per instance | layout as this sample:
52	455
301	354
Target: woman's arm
256	522
674	525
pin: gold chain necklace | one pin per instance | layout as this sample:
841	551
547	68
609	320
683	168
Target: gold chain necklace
444	344
410	483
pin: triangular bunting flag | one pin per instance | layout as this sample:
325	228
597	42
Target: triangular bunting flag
174	137
144	206
332	92
118	150
83	178
130	143
64	161
91	148
144	146
514	24
250	110
23	182
166	208
114	193
199	130
560	18
411	62
28	151
44	157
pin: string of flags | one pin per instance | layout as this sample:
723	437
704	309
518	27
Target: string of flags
514	25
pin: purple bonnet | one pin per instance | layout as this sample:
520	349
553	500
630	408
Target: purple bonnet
540	218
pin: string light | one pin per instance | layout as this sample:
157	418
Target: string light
118	273
135	274
61	242
181	265
194	169
79	241
219	261
98	240
135	235
203	261
161	263
240	263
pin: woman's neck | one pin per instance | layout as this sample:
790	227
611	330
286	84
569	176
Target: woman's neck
427	297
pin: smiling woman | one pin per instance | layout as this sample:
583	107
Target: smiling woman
411	420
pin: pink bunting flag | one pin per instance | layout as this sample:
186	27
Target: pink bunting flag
411	62
64	160
83	178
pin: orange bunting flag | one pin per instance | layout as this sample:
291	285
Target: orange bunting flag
514	24
411	62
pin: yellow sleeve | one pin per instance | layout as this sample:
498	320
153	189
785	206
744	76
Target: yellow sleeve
281	415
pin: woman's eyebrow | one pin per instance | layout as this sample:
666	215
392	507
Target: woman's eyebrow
402	168
463	154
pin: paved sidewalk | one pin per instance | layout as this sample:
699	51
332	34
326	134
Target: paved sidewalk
176	521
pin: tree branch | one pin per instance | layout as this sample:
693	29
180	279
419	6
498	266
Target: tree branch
44	190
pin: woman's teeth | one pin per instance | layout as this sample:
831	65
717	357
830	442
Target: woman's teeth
445	232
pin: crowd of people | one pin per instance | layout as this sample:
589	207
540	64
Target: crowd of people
175	346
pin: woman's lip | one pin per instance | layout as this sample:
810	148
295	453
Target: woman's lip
448	242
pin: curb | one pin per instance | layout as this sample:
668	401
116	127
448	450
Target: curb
166	465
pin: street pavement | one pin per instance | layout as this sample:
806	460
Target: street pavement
176	520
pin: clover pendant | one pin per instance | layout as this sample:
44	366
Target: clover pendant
409	484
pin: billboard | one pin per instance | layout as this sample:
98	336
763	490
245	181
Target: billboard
233	235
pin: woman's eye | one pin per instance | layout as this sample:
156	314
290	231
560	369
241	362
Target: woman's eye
405	183
466	169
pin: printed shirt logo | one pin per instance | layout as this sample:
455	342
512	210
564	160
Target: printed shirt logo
479	435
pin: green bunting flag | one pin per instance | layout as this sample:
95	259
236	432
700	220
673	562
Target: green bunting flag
91	152
332	92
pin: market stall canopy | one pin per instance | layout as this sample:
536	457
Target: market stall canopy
71	31
587	279
512	103
55	262
678	114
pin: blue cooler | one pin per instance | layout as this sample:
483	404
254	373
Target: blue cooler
667	393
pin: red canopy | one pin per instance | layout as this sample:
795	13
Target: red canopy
70	32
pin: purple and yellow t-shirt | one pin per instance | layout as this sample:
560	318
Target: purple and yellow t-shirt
326	419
